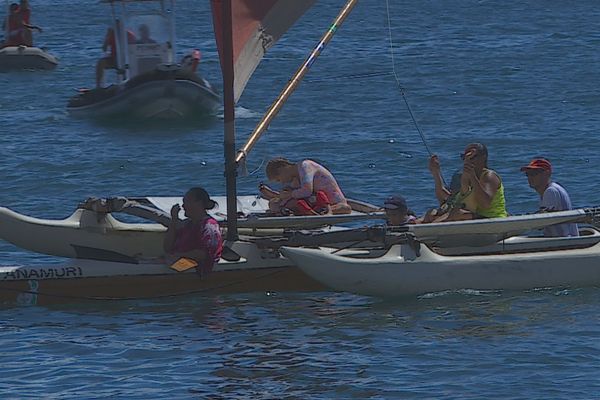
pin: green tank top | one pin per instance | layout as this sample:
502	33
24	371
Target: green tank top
498	206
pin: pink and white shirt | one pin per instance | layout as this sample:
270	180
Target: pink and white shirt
315	177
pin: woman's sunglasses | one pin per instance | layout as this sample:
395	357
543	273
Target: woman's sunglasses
470	154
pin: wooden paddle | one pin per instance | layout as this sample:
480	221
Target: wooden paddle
183	264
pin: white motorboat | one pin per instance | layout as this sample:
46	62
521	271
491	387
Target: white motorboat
419	265
18	54
14	58
166	92
152	85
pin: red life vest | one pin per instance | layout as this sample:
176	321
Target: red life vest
15	30
25	15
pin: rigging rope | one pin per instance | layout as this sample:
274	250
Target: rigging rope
375	74
244	173
387	3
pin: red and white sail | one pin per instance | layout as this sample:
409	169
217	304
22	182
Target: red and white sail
256	26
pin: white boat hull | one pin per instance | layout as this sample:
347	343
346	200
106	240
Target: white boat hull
88	234
90	280
161	99
400	272
83	235
14	58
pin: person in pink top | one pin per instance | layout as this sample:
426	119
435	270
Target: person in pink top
308	188
198	237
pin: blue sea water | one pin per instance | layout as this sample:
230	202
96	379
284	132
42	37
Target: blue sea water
521	77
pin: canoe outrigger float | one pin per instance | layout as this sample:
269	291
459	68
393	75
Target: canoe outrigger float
479	254
151	83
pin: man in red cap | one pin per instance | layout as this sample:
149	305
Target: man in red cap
553	196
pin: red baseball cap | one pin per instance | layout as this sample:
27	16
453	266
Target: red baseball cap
538	163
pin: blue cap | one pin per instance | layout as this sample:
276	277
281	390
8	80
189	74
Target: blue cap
395	202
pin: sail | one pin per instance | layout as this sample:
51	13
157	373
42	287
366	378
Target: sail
256	26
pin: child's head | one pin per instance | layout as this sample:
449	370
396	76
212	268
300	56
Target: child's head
396	209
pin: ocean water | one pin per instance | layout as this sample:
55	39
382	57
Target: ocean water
520	77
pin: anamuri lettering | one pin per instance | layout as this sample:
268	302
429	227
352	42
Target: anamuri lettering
43	273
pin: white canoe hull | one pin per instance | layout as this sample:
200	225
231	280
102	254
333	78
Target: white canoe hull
15	58
161	99
90	280
400	272
83	235
88	234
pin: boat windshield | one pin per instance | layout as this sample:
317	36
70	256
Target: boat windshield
148	29
148	42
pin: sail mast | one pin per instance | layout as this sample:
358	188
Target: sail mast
229	121
294	82
7	26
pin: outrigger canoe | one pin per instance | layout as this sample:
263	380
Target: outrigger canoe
480	254
113	259
92	280
94	232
